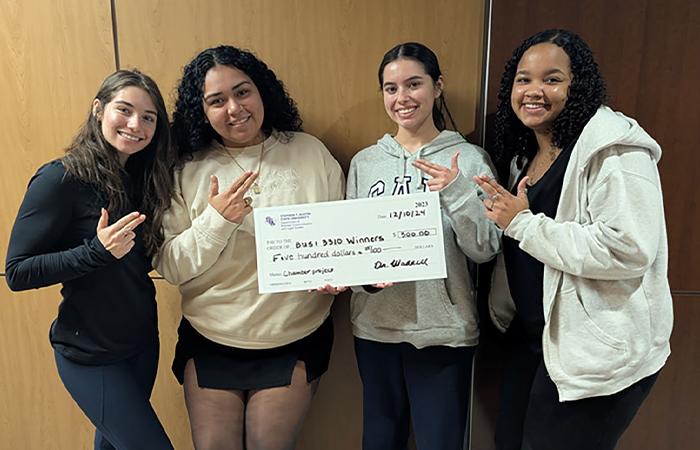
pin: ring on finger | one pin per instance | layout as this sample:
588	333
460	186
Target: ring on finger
247	200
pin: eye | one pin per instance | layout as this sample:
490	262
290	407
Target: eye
389	89
215	101
552	80
149	118
242	92
521	80
123	109
415	84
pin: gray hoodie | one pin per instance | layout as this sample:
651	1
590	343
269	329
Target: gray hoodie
607	302
430	312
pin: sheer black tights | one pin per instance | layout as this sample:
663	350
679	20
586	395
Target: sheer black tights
265	419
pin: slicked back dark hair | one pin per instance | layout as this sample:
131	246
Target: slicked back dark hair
192	132
427	58
586	94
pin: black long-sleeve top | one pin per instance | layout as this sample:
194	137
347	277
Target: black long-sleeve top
108	311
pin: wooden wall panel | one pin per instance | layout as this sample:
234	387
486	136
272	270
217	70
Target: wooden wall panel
667	95
54	55
35	409
669	418
326	52
646	50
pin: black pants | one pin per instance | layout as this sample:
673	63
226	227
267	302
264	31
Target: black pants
429	386
532	418
116	399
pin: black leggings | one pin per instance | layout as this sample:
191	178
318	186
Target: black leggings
116	399
429	387
532	418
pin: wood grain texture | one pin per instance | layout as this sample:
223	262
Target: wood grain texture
55	54
669	417
327	53
647	53
36	411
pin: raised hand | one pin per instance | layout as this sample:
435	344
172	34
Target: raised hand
232	203
118	238
442	176
502	206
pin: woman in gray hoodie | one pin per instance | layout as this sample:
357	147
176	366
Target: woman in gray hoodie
585	253
414	341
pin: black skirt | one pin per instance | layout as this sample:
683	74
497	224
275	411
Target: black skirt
231	368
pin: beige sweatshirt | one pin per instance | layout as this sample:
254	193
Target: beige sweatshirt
213	261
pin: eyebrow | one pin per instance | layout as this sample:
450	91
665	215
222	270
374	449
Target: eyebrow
549	72
124	102
214	94
415	77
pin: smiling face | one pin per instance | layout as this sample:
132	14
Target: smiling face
233	106
409	95
541	86
128	121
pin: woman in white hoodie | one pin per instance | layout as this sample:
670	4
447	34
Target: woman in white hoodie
589	311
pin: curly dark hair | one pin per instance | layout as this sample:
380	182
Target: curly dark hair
586	94
427	58
93	160
192	132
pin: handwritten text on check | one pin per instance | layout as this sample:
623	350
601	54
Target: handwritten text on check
349	243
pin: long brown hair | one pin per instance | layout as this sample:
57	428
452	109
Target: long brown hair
93	160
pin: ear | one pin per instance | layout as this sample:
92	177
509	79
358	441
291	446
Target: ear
97	109
439	86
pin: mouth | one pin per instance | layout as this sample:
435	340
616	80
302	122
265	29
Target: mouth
535	107
406	111
239	122
129	136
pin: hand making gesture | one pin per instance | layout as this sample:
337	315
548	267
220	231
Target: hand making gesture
502	206
442	176
232	202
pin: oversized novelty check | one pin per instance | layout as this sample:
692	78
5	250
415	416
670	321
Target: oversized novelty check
349	243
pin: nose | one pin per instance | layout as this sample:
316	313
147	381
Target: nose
233	106
134	121
403	94
534	90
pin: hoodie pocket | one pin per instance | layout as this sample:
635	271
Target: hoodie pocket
582	347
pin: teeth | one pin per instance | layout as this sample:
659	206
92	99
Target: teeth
406	110
533	105
130	137
239	121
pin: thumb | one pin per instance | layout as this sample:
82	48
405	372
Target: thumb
522	187
455	165
213	186
104	219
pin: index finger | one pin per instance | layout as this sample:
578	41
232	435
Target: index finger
136	222
497	187
484	183
242	189
240	181
123	221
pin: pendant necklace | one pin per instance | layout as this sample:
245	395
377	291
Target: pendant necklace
255	187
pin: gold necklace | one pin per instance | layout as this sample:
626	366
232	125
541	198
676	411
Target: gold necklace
255	187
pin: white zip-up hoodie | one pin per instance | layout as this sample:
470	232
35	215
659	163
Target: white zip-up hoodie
607	303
